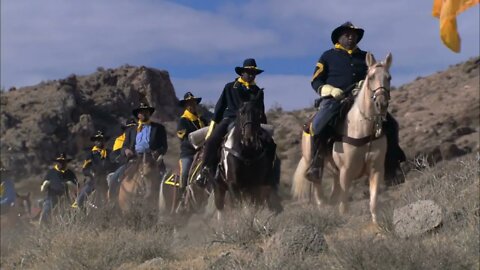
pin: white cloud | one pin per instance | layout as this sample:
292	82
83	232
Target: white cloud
64	37
50	39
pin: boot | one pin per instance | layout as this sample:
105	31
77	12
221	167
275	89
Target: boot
203	177
315	170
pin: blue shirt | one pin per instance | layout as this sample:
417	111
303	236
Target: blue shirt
8	195
142	141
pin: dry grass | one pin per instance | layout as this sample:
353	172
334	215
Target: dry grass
302	237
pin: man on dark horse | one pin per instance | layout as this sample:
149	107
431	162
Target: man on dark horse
7	190
189	122
338	72
148	137
95	167
118	159
56	184
242	89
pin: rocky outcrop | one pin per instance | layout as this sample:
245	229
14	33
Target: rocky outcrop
39	121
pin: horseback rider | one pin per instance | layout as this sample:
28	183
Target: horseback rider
7	190
118	158
190	121
242	89
337	74
96	162
148	137
56	184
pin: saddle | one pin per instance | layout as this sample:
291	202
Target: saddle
345	106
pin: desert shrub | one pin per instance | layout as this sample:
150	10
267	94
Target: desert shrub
99	241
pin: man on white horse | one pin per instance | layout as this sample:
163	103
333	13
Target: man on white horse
338	72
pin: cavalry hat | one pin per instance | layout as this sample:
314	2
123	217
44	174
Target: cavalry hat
99	136
62	157
248	65
129	123
337	32
142	107
189	96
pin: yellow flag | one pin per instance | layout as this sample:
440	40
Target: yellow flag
447	11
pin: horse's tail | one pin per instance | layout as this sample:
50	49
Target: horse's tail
300	186
162	203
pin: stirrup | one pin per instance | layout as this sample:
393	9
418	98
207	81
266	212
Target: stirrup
202	177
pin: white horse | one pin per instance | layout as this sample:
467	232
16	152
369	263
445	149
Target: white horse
362	146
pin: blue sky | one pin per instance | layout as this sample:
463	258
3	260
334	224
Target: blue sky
200	42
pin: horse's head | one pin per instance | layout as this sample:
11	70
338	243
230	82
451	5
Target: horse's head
248	121
149	165
377	83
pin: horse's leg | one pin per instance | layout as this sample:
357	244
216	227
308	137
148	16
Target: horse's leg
335	192
219	194
344	187
375	178
320	199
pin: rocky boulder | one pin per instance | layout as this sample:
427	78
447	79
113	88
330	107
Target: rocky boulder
37	122
417	218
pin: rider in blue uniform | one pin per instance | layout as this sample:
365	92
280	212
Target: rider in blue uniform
7	191
242	89
338	71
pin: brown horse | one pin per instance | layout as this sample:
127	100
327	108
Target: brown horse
351	159
141	182
18	214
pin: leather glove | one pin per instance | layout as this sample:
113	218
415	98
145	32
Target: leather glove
328	90
210	129
44	186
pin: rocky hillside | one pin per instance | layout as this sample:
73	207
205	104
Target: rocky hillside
39	121
438	115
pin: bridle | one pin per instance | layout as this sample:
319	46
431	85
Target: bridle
378	117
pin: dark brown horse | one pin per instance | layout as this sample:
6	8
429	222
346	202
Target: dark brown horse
248	156
141	182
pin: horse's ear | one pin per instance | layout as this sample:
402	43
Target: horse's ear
388	60
370	59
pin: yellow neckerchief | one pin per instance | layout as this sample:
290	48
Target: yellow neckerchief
192	118
244	83
340	47
103	151
141	124
58	169
118	144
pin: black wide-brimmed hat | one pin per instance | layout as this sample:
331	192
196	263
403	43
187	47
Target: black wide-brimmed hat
189	96
248	65
143	107
337	32
62	158
129	123
99	136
